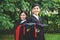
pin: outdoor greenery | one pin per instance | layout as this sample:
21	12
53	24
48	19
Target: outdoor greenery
10	9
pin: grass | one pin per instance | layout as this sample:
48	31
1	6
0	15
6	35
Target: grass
7	37
47	37
52	36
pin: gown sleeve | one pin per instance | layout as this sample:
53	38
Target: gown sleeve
17	32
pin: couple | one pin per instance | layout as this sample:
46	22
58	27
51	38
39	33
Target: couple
21	32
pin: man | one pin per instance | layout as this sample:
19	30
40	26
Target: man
35	18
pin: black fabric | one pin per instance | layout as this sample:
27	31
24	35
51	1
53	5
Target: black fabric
34	20
22	36
40	35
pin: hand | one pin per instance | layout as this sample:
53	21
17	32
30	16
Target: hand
28	30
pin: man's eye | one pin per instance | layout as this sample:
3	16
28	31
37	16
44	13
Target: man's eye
37	8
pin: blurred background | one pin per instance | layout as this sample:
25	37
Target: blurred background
9	14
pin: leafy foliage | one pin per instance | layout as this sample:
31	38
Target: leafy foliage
10	9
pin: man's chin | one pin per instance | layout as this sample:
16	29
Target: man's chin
36	13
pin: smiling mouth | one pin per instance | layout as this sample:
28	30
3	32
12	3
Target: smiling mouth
36	11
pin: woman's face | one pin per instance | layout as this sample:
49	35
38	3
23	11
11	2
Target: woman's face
36	10
23	16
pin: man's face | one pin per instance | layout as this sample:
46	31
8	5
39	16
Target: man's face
36	10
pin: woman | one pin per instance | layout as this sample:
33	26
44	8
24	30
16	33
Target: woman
39	31
20	29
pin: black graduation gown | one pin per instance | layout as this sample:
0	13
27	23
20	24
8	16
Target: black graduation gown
19	34
23	32
40	35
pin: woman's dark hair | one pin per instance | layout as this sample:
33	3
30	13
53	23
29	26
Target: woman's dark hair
35	4
24	12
